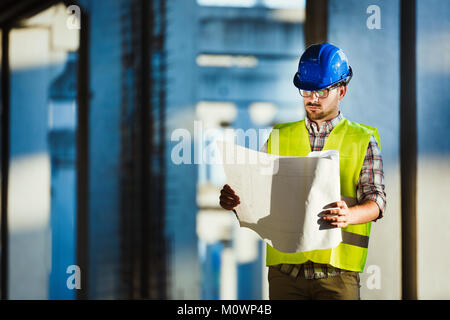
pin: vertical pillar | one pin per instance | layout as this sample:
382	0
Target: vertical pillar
5	162
316	22
82	160
408	147
146	146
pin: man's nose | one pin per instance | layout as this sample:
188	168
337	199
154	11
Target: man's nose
315	96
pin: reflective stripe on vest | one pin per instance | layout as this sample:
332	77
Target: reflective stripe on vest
355	239
351	140
351	238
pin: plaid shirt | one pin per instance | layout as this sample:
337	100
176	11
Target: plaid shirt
370	184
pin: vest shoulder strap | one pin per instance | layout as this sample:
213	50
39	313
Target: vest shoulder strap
372	130
286	124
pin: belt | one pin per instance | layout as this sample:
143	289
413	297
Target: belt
292	270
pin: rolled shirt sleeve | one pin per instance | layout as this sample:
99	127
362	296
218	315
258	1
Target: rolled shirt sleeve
370	185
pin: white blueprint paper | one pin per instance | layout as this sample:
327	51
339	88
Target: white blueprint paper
281	197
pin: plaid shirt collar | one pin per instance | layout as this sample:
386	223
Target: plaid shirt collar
325	127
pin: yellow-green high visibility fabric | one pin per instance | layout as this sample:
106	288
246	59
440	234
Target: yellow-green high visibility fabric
351	140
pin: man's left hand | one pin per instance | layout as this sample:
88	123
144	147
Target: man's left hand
337	214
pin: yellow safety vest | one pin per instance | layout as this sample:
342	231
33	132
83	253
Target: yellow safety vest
351	140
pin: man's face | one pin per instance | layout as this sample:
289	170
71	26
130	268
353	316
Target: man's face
321	109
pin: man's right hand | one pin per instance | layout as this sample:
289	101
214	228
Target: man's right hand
228	198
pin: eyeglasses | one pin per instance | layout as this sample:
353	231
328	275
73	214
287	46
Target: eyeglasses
322	93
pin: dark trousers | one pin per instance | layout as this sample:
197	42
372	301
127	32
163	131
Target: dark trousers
285	287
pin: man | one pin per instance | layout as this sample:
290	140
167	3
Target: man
322	78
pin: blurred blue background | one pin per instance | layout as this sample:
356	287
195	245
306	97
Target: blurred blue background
153	228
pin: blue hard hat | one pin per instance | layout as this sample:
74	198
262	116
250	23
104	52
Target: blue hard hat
320	66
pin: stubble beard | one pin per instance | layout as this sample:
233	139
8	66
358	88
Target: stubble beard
318	115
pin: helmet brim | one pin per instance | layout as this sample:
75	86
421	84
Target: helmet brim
314	87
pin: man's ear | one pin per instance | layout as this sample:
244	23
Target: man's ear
342	92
